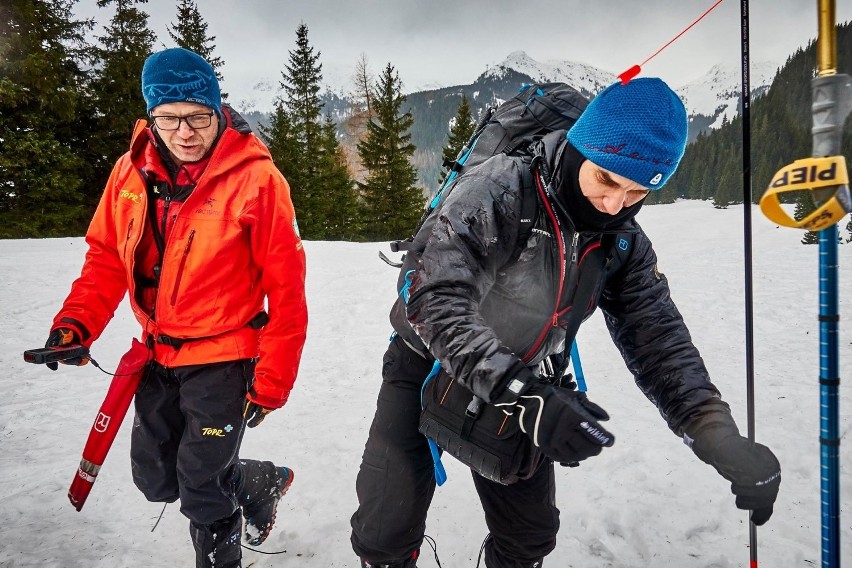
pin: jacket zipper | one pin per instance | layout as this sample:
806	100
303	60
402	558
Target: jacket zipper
560	242
576	263
182	266
127	238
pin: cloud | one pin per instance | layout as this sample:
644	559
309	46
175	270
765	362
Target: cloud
449	42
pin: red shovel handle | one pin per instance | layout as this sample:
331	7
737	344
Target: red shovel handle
108	421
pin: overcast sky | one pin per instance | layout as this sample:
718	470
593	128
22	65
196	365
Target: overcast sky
448	42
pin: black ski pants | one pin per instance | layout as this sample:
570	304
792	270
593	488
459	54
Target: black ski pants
186	436
396	483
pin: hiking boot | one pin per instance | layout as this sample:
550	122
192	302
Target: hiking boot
217	545
259	512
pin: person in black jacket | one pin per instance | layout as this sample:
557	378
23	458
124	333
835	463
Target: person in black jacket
491	317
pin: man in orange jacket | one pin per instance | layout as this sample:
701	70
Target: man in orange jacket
197	225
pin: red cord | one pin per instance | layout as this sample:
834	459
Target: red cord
634	70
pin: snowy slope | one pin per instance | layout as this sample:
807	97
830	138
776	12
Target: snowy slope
645	502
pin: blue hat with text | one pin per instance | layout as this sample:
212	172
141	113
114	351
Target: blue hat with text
637	130
179	75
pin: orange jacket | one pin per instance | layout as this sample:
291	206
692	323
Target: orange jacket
233	244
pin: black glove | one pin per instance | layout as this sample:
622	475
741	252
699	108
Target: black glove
64	336
752	469
563	423
254	413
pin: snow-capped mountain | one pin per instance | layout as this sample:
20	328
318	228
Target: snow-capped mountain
708	100
585	78
716	95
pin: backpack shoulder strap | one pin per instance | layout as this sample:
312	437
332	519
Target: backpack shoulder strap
529	208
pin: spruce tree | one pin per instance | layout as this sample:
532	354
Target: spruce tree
306	150
302	85
281	140
190	32
339	204
118	85
42	108
392	201
460	132
295	132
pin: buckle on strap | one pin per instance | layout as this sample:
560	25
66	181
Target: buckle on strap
174	342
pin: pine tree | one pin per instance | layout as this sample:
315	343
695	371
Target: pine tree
340	208
118	85
392	201
281	140
302	85
306	150
190	32
42	108
295	133
460	132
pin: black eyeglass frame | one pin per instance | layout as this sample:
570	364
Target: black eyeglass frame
184	119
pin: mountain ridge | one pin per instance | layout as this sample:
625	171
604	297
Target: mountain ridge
711	100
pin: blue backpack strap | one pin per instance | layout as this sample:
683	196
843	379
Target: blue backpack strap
578	367
440	472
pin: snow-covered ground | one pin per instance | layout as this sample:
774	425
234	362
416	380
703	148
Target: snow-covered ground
645	502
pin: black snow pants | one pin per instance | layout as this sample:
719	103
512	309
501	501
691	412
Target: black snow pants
396	483
185	445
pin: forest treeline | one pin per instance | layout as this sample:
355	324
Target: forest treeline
68	105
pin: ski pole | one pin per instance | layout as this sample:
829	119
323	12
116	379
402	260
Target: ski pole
747	250
832	95
826	177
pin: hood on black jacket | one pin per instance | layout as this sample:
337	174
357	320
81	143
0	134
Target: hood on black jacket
561	170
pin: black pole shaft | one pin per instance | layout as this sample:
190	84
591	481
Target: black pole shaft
747	244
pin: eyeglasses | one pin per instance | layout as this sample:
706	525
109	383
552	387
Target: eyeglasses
193	121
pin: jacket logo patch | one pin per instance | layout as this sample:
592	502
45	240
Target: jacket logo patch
212	432
124	194
207	208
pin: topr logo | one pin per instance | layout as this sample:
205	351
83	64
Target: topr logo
124	194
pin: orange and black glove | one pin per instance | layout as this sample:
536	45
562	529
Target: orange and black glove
254	413
64	336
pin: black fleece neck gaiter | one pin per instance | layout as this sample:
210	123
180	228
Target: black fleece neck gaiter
584	215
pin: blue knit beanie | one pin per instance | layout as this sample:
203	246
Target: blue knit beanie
637	130
179	75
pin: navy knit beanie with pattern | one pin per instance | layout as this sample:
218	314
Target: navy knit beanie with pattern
179	75
637	130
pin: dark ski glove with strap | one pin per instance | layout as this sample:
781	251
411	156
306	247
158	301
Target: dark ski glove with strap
64	336
563	423
752	469
254	413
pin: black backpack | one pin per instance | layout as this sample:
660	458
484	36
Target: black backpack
509	128
483	440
